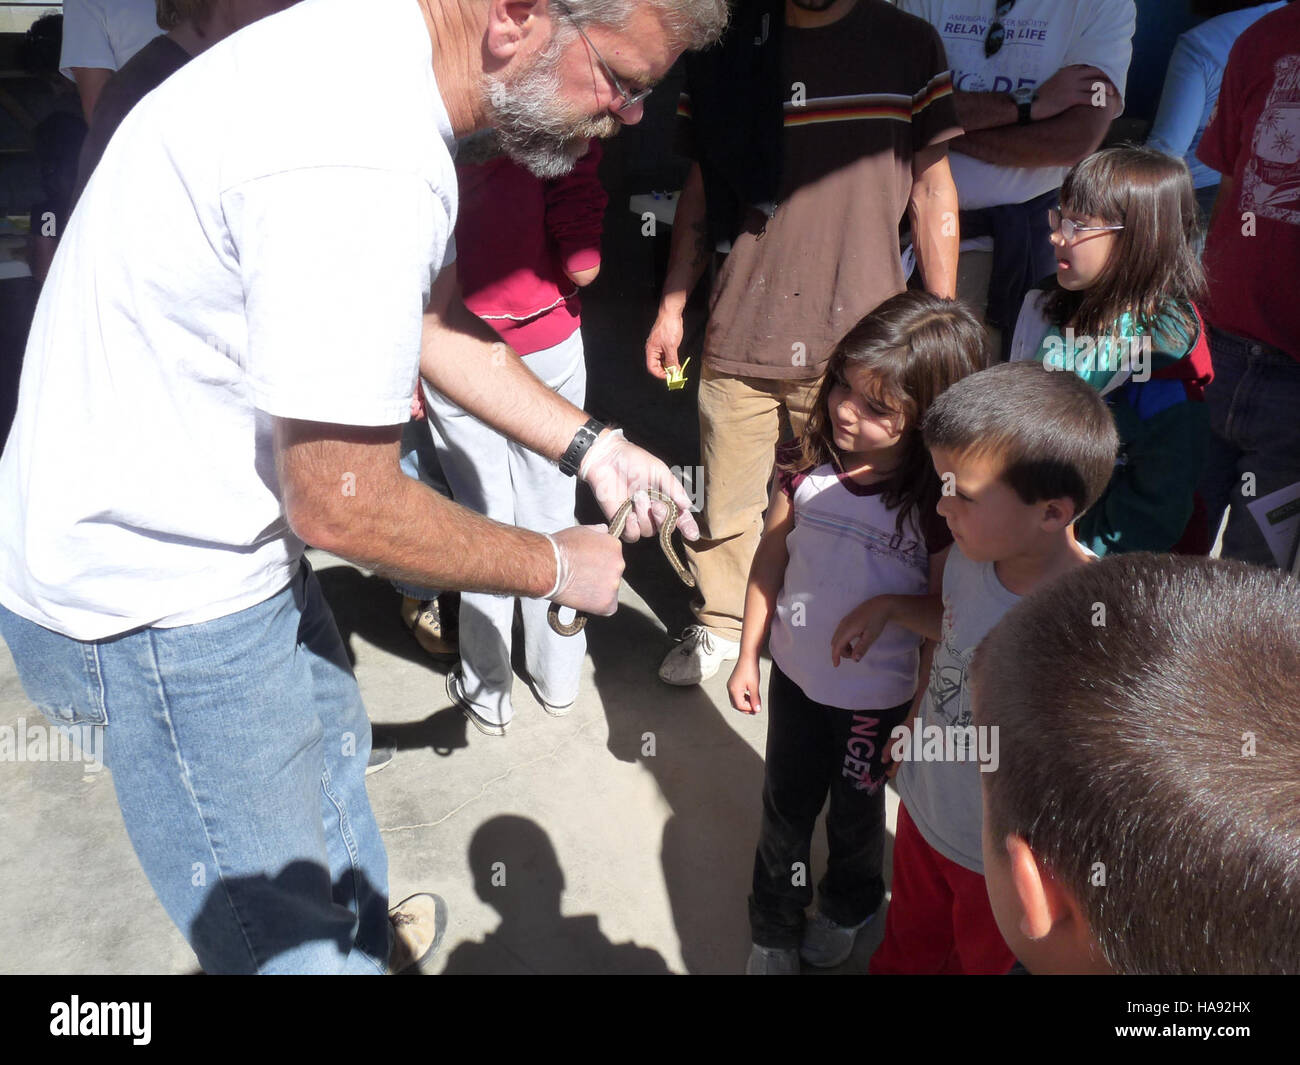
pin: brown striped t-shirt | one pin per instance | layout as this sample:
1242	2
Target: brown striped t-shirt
864	95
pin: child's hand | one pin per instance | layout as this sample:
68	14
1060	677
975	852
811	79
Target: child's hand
860	628
743	687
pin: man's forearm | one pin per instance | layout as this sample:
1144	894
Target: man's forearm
935	232
462	358
344	493
985	110
689	251
1060	141
414	535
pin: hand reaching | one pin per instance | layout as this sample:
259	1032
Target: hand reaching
860	628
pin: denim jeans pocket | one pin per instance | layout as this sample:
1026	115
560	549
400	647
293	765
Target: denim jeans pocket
60	675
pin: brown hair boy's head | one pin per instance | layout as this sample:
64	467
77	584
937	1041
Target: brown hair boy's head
1023	451
1145	813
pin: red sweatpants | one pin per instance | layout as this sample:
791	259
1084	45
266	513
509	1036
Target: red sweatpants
939	919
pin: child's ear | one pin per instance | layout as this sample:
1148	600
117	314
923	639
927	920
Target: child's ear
1057	514
1049	909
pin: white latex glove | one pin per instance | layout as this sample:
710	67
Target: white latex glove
617	471
589	566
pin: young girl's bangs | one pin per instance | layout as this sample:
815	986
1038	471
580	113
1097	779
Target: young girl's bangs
1091	190
882	384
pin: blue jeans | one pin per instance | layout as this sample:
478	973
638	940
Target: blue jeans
238	751
1253	404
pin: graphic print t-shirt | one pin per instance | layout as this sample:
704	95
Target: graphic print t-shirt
943	797
1252	253
1042	36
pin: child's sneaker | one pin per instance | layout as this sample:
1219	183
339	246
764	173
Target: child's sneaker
697	657
827	944
772	961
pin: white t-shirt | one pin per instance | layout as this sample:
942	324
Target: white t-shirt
845	548
943	797
1042	37
105	33
259	240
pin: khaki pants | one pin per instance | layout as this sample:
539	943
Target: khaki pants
740	425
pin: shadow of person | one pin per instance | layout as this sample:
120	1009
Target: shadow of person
290	917
710	777
367	606
443	731
517	873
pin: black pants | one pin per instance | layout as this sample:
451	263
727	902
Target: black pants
814	749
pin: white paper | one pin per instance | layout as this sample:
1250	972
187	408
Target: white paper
1278	517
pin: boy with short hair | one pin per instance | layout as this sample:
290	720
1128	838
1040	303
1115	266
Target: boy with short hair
1145	817
1022	453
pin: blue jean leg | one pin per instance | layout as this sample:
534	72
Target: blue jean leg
238	751
1255	441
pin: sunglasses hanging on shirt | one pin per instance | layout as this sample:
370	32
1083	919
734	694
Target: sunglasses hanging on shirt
997	32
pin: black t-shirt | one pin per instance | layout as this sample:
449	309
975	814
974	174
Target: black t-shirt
147	69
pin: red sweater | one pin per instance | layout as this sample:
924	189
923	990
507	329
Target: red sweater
515	238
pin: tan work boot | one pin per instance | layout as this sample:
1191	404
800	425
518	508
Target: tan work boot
418	926
424	621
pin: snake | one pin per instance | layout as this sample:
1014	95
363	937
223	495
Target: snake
616	525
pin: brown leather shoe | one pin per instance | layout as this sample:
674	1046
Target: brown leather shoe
424	621
418	926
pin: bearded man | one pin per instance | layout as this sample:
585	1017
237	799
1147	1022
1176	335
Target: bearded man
219	370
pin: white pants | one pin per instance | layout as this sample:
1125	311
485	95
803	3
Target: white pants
508	483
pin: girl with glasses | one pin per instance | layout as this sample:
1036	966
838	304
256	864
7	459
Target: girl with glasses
1121	313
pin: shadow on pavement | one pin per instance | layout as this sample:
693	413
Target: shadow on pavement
708	775
517	873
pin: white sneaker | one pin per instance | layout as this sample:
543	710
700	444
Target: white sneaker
697	657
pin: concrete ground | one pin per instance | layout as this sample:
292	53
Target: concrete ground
631	821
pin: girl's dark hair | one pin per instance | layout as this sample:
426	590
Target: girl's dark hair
1153	269
915	345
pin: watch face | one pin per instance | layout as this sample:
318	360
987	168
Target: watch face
1023	95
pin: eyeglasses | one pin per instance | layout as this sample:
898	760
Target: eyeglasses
1069	228
997	34
629	97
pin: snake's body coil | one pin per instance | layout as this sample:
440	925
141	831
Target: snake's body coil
616	530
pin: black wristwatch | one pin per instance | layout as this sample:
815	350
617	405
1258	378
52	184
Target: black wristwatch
571	461
1024	98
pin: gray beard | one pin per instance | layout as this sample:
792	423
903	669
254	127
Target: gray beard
530	127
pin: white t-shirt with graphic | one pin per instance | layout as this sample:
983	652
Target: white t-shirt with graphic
943	797
105	33
259	240
1042	36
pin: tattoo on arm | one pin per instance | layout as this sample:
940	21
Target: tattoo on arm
701	230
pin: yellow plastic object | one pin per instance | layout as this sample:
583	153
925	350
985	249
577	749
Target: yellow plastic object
677	376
